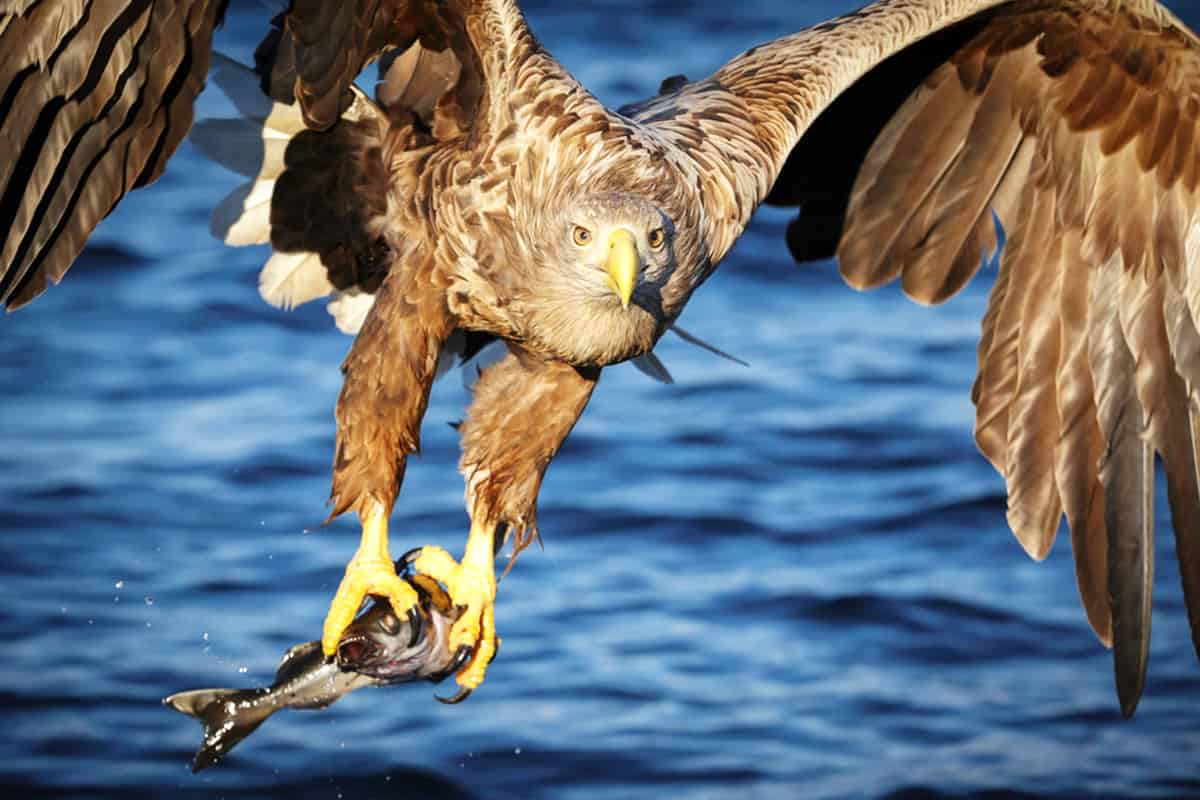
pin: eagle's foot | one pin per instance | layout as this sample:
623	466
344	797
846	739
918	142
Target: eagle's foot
471	585
365	577
370	572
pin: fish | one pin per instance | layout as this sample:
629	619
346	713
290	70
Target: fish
378	649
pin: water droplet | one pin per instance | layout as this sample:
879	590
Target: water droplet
64	609
120	584
243	670
91	622
149	600
148	624
205	636
516	751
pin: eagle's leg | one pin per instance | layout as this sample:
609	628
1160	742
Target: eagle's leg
522	411
389	372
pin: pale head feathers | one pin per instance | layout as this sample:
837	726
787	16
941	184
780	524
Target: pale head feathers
569	307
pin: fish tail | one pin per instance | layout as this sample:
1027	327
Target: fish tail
227	718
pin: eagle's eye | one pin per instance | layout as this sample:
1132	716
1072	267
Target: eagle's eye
582	236
656	239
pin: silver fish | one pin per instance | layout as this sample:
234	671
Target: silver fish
377	649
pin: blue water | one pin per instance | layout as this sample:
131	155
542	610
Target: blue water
788	580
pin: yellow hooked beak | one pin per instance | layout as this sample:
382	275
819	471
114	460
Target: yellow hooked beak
623	263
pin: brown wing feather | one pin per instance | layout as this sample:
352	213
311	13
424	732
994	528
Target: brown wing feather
996	381
1080	446
94	98
1163	393
1074	122
1127	474
1184	342
1051	401
912	129
1034	508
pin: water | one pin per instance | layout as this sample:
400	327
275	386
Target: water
792	579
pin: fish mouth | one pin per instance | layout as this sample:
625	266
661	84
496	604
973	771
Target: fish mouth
362	654
395	648
376	647
357	651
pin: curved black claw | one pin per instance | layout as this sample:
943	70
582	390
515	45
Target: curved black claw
405	561
462	694
461	657
417	624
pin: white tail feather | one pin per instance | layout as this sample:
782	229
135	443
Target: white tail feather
349	310
290	279
242	146
244	216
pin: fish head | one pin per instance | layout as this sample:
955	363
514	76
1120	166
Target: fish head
400	648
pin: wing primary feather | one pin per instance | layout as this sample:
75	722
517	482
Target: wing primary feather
1034	507
1187	541
1184	342
1127	475
999	362
1080	448
1164	394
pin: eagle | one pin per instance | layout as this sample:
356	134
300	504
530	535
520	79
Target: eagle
484	195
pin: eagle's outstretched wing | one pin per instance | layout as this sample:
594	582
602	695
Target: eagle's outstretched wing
95	98
903	131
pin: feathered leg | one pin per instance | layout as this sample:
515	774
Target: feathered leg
389	372
522	412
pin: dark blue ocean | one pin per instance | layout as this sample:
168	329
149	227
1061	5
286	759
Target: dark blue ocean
792	579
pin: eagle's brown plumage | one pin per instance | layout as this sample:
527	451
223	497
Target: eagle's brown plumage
446	208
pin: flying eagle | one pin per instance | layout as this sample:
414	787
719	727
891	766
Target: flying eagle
484	194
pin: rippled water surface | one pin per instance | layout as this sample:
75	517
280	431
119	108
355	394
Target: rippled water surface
788	580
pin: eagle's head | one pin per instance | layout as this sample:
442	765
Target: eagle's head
599	272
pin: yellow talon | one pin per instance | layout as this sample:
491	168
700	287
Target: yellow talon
471	585
370	572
